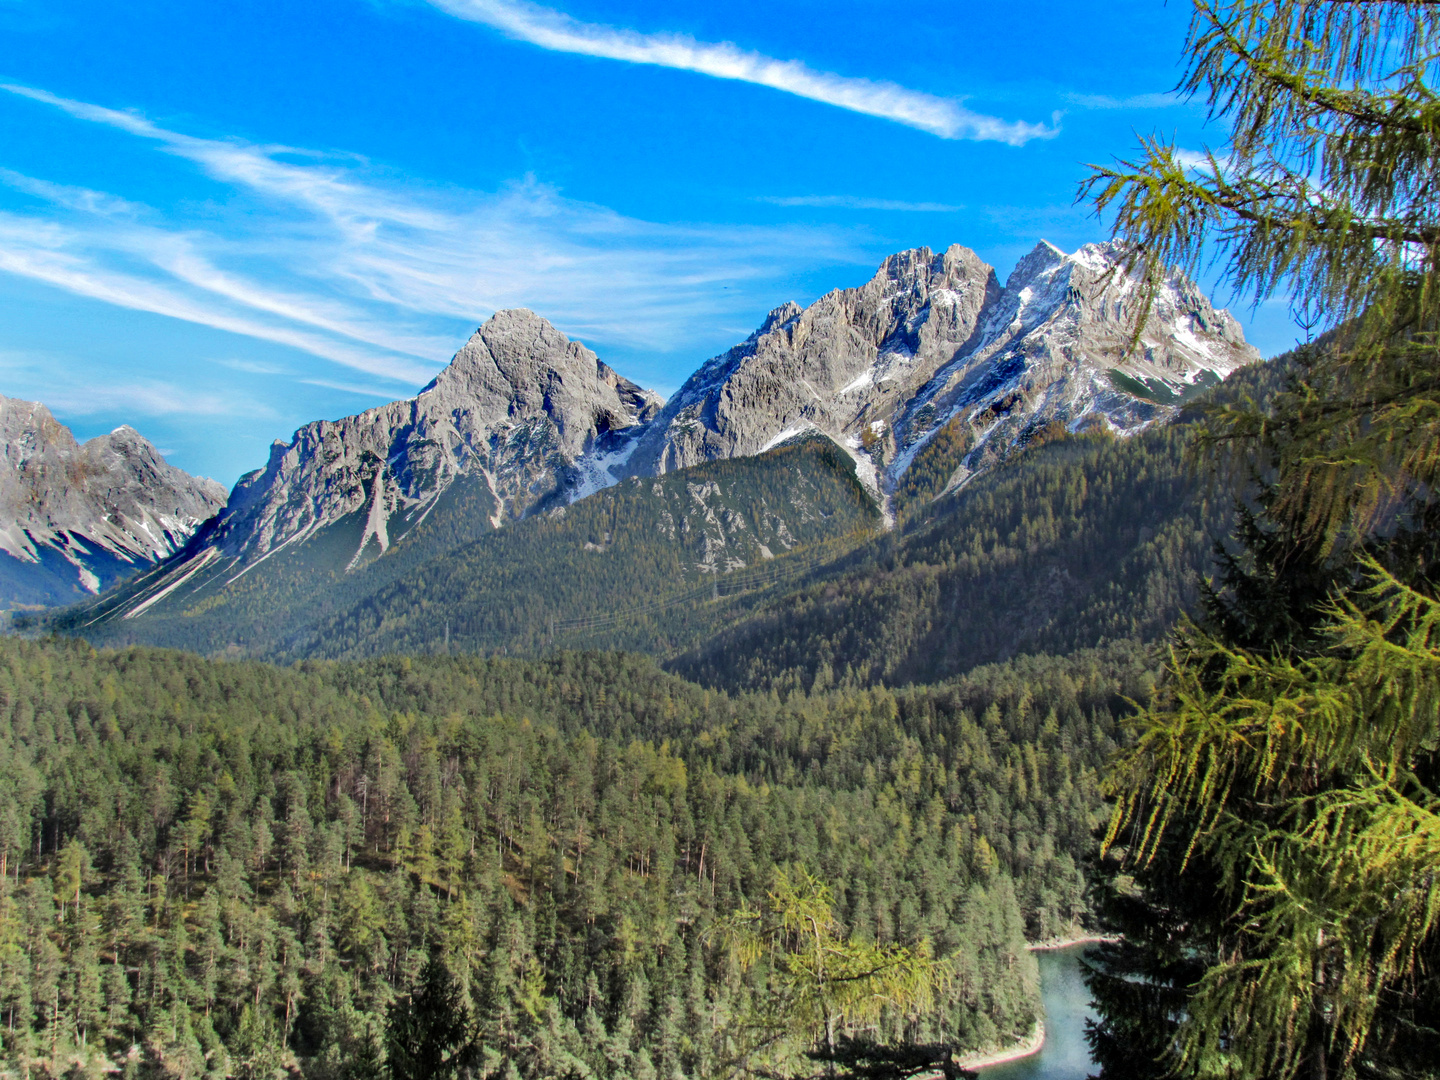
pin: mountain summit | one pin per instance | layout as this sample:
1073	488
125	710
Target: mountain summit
934	340
516	407
76	518
931	362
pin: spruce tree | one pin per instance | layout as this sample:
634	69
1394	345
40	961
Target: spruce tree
428	1034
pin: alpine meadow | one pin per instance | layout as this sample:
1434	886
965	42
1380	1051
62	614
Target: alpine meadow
539	725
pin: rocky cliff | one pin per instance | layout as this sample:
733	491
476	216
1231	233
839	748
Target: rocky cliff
75	518
933	339
516	407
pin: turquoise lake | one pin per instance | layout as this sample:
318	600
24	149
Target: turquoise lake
1065	1055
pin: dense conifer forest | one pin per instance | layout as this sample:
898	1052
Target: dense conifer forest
212	868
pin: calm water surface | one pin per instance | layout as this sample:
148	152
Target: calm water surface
1065	1055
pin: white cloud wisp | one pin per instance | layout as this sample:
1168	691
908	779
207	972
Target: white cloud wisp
558	32
323	254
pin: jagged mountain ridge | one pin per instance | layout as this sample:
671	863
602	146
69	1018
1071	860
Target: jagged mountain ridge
931	340
518	404
75	518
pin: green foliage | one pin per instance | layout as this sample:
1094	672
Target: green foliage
1304	778
1289	765
427	1033
818	983
1080	541
268	857
455	582
933	466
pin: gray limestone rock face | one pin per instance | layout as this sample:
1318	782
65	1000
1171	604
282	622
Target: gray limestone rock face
847	364
1058	347
111	503
516	406
932	338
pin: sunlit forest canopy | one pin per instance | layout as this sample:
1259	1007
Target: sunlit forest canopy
230	867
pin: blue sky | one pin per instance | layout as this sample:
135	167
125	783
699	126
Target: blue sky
218	222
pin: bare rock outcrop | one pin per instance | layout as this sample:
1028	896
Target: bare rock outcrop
517	406
80	516
933	337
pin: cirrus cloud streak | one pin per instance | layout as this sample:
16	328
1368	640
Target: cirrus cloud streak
557	32
322	253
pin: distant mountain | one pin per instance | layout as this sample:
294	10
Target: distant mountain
934	344
927	375
75	519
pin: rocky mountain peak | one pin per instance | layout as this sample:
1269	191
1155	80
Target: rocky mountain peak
777	318
76	517
934	336
1044	258
519	365
514	409
841	366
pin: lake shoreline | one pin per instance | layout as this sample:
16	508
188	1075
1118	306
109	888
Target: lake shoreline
1026	1047
1050	944
1035	1041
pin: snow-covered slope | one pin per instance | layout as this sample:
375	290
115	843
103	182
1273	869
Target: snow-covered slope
75	518
1055	347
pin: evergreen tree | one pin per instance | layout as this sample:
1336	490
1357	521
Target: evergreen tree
1277	821
428	1035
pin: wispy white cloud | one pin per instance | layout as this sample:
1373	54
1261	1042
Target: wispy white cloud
72	198
151	399
855	202
351	388
1198	160
251	367
329	256
71	389
558	32
1167	100
72	260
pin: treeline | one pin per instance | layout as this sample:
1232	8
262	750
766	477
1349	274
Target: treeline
224	869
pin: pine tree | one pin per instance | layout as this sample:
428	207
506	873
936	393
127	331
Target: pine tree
1278	818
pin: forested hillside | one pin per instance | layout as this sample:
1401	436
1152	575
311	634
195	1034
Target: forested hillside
230	867
455	578
1078	541
1084	540
751	571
